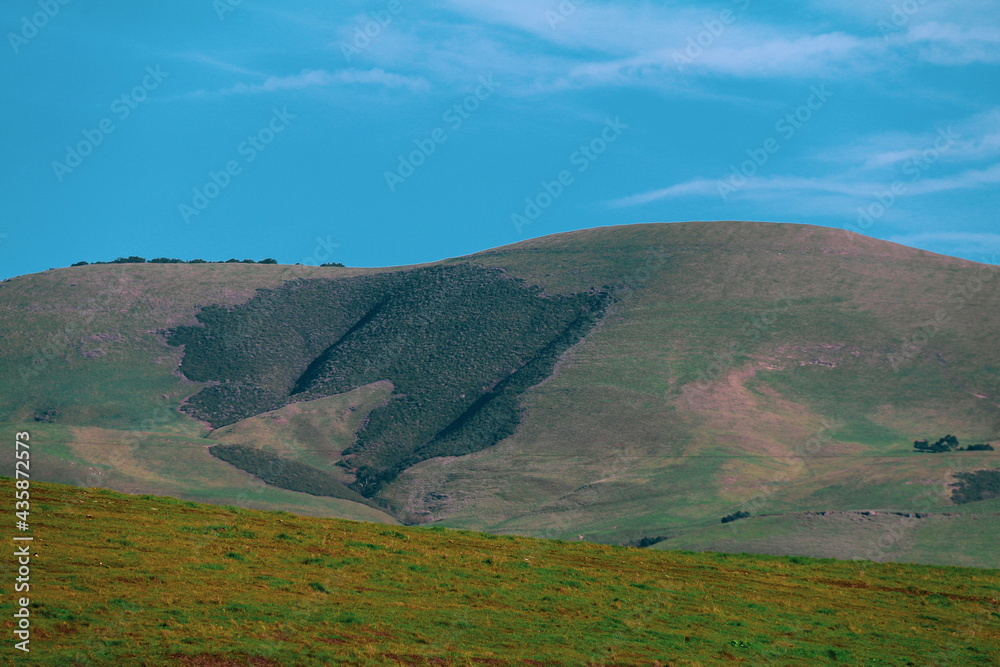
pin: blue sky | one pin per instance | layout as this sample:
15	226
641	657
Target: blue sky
394	131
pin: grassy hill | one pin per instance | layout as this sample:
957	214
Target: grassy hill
779	368
700	369
209	585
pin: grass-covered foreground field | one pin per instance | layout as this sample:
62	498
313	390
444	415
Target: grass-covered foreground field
132	580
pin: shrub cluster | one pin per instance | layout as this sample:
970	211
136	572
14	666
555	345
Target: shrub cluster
735	516
949	443
648	541
284	473
47	416
460	344
973	486
135	259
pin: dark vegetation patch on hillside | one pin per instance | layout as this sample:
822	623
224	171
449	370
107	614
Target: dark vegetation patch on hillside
978	485
459	343
949	443
284	473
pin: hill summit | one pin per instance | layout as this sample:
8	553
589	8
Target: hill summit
623	384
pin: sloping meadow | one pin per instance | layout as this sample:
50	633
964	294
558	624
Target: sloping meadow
208	585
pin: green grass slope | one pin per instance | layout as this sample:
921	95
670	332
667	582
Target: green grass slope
777	368
88	342
966	539
207	585
142	462
768	368
311	432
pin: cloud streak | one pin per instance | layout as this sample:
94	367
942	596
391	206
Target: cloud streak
781	186
323	79
951	44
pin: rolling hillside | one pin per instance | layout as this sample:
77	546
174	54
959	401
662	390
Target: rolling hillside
206	585
617	383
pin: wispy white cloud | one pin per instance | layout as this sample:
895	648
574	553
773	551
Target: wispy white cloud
612	28
698	187
776	187
802	57
808	55
953	44
600	43
316	79
216	63
640	44
324	78
754	188
966	180
966	141
874	15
